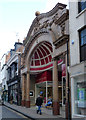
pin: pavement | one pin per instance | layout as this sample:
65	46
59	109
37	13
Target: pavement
0	112
31	112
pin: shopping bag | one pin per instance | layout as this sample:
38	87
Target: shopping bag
36	107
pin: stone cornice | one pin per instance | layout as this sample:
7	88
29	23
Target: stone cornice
48	14
62	19
61	40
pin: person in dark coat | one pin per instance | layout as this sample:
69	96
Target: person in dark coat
39	102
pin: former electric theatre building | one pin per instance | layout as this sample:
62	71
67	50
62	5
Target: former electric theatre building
45	57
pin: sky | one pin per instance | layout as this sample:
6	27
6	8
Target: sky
16	17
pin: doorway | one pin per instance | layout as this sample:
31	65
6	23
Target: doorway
45	88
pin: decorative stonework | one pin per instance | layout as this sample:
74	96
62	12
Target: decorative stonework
42	31
43	23
62	40
62	28
44	15
64	16
37	13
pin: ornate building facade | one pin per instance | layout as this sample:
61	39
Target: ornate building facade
44	60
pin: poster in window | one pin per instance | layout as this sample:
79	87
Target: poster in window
81	97
31	93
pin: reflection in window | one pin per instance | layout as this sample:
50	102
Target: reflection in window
83	37
81	5
83	44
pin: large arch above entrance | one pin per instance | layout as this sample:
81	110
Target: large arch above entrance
40	69
41	58
41	49
44	37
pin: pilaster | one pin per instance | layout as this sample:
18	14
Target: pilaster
23	90
28	90
56	107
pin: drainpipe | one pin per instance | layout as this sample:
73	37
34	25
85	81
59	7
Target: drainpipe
68	90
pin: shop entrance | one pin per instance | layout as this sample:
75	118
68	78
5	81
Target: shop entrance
44	88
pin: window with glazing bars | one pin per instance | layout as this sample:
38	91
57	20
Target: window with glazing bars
81	5
82	34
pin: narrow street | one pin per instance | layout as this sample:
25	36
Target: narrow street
6	113
43	60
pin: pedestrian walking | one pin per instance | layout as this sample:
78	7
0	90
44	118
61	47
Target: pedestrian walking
39	102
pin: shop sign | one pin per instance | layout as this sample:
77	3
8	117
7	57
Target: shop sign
63	70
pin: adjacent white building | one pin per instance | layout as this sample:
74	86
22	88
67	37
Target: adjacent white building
0	71
0	82
3	76
77	26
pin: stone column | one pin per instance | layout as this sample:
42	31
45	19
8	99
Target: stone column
23	90
56	107
28	90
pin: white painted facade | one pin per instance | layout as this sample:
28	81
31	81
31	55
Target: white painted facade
0	82
3	72
77	69
0	71
0	91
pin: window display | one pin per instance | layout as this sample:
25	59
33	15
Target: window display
80	98
81	94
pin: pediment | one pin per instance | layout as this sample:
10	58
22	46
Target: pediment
44	20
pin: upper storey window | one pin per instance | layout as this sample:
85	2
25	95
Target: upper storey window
83	44
81	5
83	37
